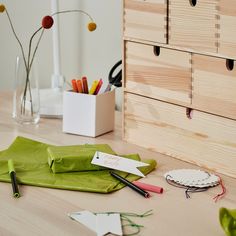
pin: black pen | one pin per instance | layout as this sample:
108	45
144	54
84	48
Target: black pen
131	185
12	174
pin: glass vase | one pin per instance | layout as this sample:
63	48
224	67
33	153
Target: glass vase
26	102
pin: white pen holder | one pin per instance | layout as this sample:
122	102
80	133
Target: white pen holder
88	115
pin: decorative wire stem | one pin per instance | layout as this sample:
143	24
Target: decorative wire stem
30	45
28	63
31	39
69	11
13	30
27	85
26	67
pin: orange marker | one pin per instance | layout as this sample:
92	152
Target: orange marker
98	87
79	86
74	86
85	85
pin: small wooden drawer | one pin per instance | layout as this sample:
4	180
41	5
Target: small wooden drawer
157	72
193	24
214	85
206	140
227	30
146	20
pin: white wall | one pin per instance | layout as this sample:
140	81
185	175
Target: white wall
82	52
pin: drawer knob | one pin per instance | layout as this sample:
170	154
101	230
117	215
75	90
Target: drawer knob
189	113
229	64
193	3
156	50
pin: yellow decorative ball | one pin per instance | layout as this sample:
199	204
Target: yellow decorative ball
2	8
92	26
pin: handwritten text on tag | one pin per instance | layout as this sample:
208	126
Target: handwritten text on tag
118	163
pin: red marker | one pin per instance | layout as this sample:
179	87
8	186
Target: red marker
85	85
148	187
98	87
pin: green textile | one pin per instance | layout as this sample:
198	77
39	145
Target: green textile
228	221
75	158
11	166
31	164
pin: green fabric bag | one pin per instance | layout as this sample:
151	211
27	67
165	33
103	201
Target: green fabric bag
75	158
31	164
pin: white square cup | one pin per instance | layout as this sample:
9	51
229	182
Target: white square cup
88	115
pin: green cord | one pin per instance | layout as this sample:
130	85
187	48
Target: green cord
125	217
147	213
131	224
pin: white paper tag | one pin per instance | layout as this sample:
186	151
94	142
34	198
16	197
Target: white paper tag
101	223
192	178
118	163
108	223
86	218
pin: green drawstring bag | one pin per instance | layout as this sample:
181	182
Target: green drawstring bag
75	158
31	164
228	221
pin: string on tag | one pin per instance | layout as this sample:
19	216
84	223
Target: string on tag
188	189
220	195
195	181
194	190
147	213
130	223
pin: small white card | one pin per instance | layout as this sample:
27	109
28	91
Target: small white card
118	163
108	223
193	178
86	218
101	223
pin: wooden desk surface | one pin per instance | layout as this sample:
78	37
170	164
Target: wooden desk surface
43	211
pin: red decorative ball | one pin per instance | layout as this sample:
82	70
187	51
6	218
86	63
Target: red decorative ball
47	22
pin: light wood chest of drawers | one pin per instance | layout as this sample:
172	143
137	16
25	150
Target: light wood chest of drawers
179	78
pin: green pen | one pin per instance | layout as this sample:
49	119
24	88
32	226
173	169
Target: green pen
12	174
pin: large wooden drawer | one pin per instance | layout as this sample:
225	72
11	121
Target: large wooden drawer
206	140
227	30
214	85
157	72
146	20
193	24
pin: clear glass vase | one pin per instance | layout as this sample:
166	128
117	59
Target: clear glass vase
26	102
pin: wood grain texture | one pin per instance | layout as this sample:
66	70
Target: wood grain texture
227	30
214	86
43	211
206	140
165	77
146	20
193	26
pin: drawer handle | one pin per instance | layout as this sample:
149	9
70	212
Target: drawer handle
229	64
193	3
189	113
156	50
